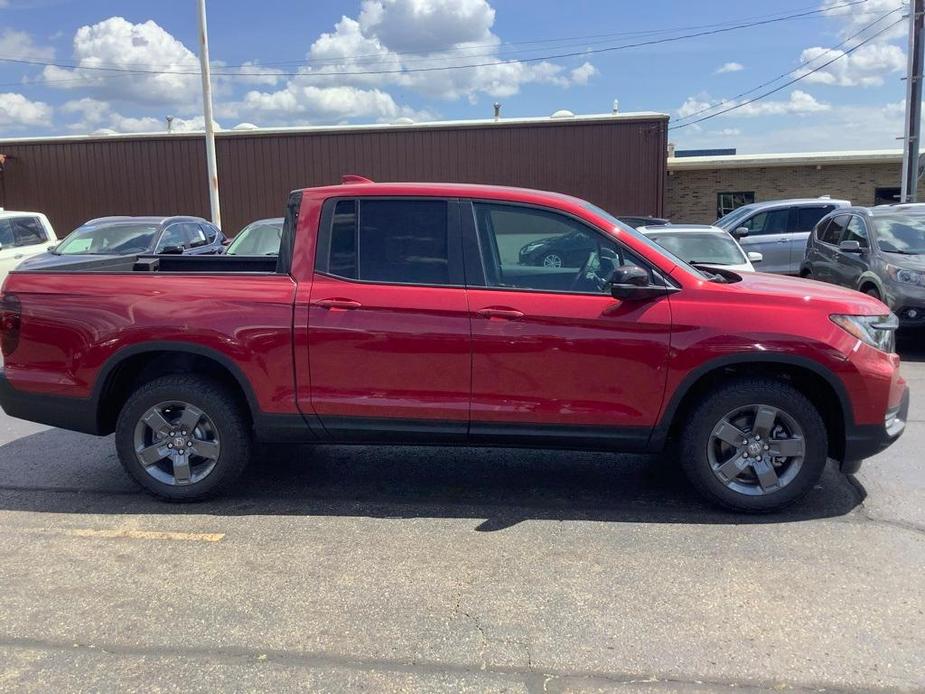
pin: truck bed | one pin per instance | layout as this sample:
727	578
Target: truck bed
209	264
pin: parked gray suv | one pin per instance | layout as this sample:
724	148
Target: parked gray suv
877	250
778	229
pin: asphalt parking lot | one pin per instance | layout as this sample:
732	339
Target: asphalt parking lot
439	569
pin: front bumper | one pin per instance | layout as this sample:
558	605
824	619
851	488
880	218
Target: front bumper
865	441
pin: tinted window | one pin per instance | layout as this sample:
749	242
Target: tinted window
197	235
769	222
401	241
528	248
833	232
856	231
6	233
344	240
404	241
808	217
174	235
210	231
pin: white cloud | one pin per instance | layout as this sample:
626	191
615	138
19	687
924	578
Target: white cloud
19	44
729	67
858	15
116	42
16	111
865	67
96	115
400	39
798	103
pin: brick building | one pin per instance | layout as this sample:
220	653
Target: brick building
700	189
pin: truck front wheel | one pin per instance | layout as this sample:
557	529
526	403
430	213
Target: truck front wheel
754	444
183	437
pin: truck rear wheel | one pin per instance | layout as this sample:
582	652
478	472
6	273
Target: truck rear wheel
755	445
183	437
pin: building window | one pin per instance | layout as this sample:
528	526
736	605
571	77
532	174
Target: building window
886	196
727	202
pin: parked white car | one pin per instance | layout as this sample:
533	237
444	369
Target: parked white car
22	235
701	244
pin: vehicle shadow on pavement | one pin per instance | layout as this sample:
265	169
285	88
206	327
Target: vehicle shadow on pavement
55	471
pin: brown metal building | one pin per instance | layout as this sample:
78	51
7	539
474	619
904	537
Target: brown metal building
615	161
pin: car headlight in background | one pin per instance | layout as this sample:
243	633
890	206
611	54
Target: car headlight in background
876	331
906	276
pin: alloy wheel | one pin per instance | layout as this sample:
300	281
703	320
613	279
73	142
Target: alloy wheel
176	443
756	449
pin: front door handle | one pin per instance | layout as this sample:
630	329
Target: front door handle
341	304
496	312
782	240
17	257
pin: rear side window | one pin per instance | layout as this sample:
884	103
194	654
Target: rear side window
390	241
22	231
833	232
807	217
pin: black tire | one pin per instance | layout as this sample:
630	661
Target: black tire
874	292
223	409
696	436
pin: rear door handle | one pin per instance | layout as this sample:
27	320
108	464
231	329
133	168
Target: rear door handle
341	304
507	313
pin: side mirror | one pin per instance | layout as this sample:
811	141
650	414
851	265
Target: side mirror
849	247
52	247
740	233
172	250
755	257
632	283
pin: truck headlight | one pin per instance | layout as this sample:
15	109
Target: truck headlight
906	276
877	331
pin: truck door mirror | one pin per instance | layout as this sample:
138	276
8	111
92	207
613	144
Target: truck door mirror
633	283
849	247
754	257
172	250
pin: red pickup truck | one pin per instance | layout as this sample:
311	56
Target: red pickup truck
405	313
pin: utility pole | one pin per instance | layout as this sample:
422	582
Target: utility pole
211	164
912	135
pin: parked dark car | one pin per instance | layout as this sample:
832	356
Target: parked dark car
119	236
877	250
258	238
571	249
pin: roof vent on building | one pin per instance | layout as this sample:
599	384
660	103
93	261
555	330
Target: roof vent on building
348	179
404	120
245	126
563	113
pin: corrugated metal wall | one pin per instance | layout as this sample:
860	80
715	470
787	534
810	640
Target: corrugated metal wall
618	164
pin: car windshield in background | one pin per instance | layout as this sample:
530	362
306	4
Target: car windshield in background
901	234
694	247
642	237
729	219
114	239
257	239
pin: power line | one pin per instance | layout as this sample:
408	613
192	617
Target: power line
787	84
790	72
553	56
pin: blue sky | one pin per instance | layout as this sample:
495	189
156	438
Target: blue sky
296	63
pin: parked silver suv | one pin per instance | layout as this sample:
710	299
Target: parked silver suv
877	250
778	229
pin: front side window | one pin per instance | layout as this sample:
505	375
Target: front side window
28	231
832	233
856	231
529	248
210	231
176	235
197	235
390	241
727	202
118	239
768	222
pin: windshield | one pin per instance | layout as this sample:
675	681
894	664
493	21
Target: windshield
694	247
257	239
901	234
643	238
729	220
118	239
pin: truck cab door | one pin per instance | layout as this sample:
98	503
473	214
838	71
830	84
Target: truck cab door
389	347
